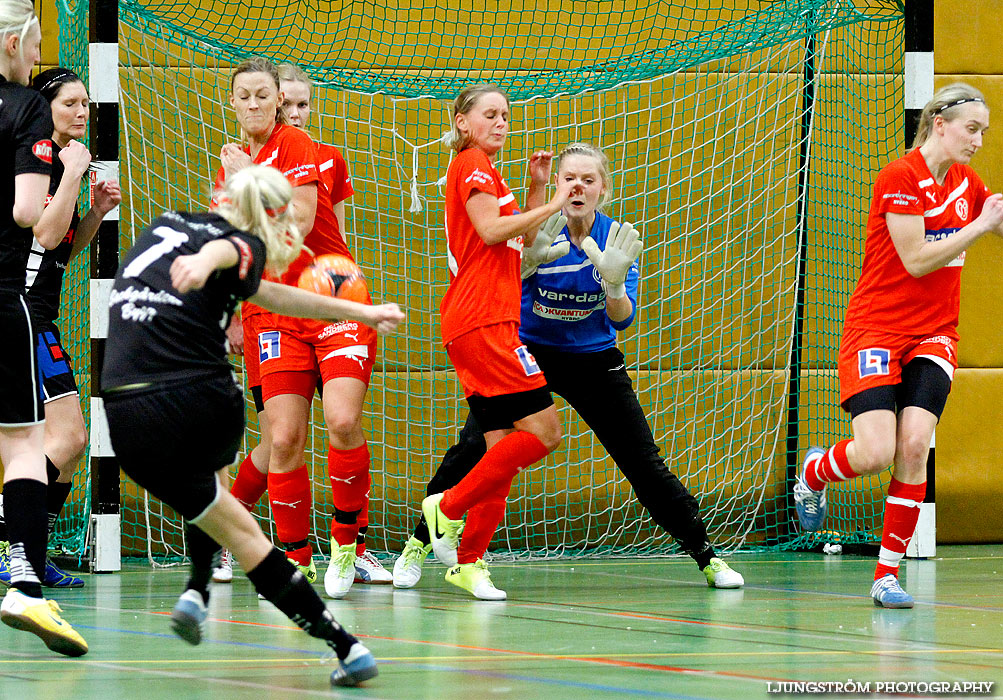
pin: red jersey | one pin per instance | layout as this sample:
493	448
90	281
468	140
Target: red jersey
887	297
293	153
334	173
484	282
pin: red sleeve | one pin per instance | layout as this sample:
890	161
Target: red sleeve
473	173
896	191
297	158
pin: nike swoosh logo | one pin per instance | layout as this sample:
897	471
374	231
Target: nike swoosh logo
438	530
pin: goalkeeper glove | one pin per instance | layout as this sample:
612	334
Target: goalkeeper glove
543	249
623	245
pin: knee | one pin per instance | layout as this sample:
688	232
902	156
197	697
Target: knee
287	443
873	457
550	435
344	429
913	451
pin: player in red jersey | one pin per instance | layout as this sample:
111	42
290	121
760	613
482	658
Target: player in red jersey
506	390
900	337
294	355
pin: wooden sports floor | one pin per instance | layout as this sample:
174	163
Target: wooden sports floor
612	628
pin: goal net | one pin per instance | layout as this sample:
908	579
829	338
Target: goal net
743	139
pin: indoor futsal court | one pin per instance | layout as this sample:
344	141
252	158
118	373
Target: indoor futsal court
744	141
574	629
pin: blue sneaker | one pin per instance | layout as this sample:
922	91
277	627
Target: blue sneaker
188	617
358	666
887	593
5	563
57	578
810	504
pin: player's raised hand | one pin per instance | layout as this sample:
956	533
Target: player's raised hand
539	166
992	214
233	158
107	195
543	249
385	318
623	245
75	158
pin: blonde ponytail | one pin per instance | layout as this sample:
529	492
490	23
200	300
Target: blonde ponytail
16	17
258	199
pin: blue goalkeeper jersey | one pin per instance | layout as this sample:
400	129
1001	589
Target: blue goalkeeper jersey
564	305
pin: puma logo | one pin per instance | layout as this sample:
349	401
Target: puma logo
353	336
616	369
292	504
905	542
344	481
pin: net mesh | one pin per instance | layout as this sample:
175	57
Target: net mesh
715	133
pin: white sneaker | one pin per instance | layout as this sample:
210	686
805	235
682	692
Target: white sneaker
720	575
476	579
224	572
341	570
368	569
407	568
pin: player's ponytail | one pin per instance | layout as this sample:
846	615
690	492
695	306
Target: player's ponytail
258	199
944	104
463	103
602	164
16	17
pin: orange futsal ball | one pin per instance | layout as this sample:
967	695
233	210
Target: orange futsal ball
335	276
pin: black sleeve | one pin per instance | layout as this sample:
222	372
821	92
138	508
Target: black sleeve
33	137
244	278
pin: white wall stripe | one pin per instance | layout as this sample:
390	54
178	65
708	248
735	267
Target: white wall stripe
103	86
918	78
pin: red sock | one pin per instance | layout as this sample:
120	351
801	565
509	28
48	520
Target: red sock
349	474
250	484
830	468
291	498
901	514
482	521
495	471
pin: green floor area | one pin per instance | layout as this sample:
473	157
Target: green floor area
612	628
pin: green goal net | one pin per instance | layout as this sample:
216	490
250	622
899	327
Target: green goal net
743	136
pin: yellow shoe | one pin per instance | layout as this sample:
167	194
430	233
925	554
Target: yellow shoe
308	570
476	579
41	617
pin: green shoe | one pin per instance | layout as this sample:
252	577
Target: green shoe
340	570
444	533
476	579
308	570
720	575
407	568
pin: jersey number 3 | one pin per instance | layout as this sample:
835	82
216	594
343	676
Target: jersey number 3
171	239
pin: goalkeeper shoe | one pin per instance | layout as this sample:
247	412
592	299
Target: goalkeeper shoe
720	575
444	533
887	593
55	577
407	568
224	572
41	617
341	570
368	569
5	563
188	617
476	579
358	666
810	504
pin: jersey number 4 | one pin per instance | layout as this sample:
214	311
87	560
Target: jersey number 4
171	240
873	361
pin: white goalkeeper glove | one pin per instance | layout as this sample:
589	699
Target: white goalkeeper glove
543	249
623	245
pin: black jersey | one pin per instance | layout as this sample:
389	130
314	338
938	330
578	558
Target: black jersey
26	145
157	334
43	281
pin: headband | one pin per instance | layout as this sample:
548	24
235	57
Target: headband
962	101
61	76
20	30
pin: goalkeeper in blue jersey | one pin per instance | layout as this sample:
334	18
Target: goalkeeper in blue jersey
579	288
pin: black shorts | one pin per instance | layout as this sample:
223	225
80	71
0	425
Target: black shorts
171	439
54	363
501	412
21	401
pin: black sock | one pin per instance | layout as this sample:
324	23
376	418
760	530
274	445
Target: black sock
58	492
25	507
283	584
202	550
421	532
361	537
3	523
703	556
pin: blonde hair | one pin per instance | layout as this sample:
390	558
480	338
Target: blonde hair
944	104
464	102
290	72
258	199
260	65
16	17
587	149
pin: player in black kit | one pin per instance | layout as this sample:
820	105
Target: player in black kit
25	142
175	412
60	235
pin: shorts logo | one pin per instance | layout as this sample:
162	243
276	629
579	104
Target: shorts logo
961	208
528	361
270	345
873	361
